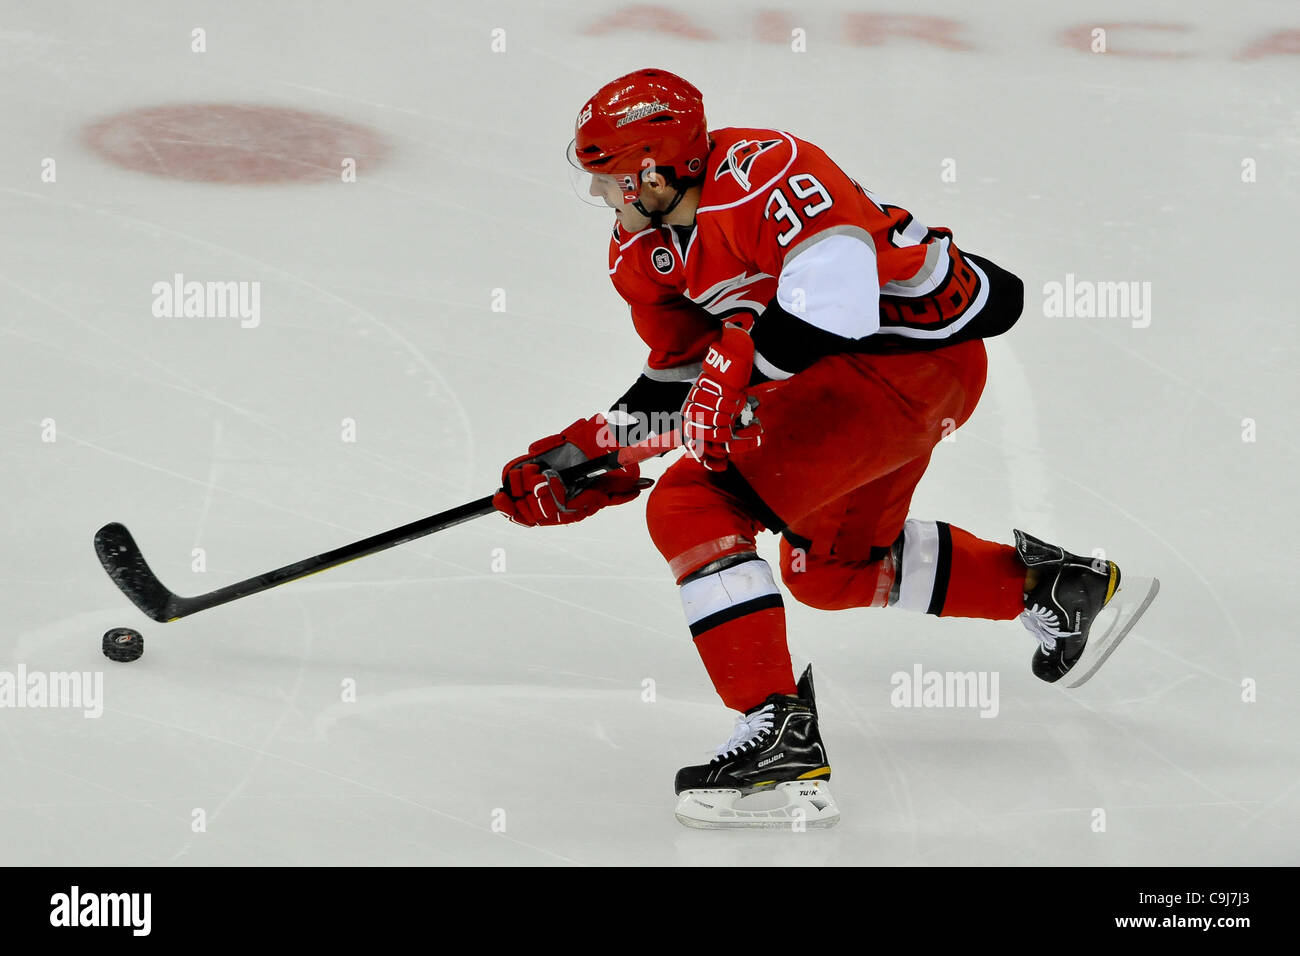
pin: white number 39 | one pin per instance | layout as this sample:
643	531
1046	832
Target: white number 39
804	186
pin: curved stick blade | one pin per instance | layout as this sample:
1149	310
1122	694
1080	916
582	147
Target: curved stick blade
121	558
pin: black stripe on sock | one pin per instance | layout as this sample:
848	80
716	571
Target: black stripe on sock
713	567
942	568
736	610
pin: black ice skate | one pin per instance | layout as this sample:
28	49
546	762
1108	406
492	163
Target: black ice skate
773	772
1067	600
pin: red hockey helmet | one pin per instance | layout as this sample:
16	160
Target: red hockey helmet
647	121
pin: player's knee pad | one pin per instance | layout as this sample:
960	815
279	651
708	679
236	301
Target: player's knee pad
726	590
693	524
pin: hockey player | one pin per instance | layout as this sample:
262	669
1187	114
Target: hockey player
814	342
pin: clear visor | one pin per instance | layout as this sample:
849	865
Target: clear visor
599	189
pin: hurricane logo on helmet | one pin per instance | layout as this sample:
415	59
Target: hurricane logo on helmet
640	112
740	157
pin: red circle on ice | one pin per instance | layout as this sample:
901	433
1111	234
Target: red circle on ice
235	143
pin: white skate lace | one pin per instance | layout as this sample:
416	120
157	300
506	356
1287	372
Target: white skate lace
1042	623
749	729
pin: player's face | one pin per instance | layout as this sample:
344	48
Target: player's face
608	189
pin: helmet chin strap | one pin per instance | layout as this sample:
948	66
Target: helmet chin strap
657	218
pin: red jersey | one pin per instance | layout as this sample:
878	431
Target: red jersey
783	233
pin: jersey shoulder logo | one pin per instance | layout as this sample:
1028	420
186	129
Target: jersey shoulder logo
740	157
662	260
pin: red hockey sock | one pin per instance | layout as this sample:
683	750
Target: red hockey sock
986	579
747	658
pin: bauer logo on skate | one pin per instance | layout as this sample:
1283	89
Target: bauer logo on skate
208	300
946	689
78	909
76	690
1083	299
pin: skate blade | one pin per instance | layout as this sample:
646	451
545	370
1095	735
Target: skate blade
1115	621
795	805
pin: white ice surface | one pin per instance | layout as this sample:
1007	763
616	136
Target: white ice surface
517	696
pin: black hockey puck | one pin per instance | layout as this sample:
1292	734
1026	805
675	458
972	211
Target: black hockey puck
123	644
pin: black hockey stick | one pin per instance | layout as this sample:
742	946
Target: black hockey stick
121	557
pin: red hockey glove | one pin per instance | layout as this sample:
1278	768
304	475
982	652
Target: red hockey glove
531	490
717	420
